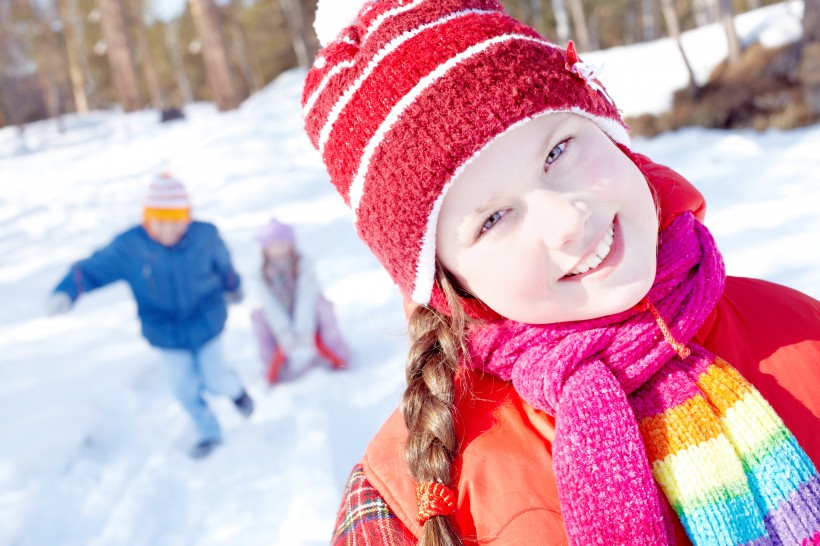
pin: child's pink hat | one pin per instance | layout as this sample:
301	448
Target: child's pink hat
400	101
275	231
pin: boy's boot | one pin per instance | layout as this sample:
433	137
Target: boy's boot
244	404
203	448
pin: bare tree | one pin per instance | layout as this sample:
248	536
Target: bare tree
119	54
649	20
70	21
579	21
240	49
673	28
217	69
172	43
294	12
727	19
47	58
811	21
561	21
159	99
537	15
706	12
19	100
809	68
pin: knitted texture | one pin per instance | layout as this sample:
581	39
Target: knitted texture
166	193
629	409
409	94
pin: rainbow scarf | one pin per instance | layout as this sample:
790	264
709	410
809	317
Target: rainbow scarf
639	405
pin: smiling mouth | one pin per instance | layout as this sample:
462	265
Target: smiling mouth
596	258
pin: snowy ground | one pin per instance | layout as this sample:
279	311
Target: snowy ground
93	446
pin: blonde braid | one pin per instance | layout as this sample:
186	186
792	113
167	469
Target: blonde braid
436	346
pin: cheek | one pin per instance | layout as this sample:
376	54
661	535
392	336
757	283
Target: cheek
503	278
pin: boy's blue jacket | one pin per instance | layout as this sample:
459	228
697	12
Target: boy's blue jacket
179	289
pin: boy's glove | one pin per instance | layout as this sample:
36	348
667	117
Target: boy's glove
235	296
58	303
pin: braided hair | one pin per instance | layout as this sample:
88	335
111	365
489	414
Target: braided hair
436	347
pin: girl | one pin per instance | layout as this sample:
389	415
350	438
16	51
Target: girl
581	370
295	322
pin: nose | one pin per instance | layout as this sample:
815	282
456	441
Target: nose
558	218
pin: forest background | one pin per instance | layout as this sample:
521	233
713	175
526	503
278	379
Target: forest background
60	56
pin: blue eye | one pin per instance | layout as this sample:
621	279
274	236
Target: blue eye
491	221
555	153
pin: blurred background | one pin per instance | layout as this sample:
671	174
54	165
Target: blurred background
98	96
61	56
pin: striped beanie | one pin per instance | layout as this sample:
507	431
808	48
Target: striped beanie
402	99
166	199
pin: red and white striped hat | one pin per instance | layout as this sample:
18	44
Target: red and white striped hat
166	192
402	99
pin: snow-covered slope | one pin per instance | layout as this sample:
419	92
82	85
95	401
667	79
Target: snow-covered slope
92	446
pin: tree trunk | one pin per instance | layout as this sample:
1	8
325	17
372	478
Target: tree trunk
727	19
295	19
69	19
630	28
240	50
82	54
47	59
579	20
811	21
809	67
673	28
119	55
217	69
649	20
705	12
561	21
537	13
172	43
149	68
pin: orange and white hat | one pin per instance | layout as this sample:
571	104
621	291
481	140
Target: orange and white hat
166	199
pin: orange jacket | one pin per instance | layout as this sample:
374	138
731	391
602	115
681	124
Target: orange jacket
503	474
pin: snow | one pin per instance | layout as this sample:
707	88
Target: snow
93	447
642	77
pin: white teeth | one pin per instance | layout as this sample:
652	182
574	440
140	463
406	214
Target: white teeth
600	254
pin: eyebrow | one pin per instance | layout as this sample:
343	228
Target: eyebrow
550	136
467	225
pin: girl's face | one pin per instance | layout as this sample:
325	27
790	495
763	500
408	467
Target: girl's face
277	250
551	223
167	232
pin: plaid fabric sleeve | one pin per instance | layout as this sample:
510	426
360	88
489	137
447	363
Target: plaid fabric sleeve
364	518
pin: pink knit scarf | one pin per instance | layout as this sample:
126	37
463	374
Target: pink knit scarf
608	379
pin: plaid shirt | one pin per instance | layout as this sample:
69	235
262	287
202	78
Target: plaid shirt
364	518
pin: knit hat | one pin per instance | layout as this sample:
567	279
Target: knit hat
275	231
166	199
399	102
